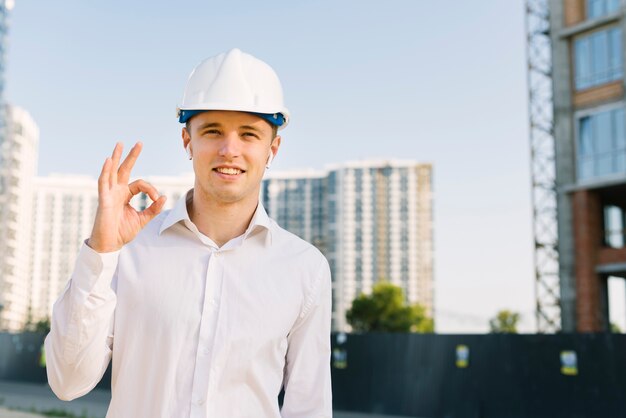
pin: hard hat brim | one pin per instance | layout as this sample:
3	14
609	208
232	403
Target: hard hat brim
276	119
279	119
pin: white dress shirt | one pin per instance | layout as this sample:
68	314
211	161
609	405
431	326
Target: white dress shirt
197	330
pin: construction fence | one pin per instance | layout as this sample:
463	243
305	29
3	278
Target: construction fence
443	376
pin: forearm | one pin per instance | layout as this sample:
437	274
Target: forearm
78	348
307	379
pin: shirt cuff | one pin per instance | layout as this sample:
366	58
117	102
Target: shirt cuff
93	271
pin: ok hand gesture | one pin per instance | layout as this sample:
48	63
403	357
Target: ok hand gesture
117	222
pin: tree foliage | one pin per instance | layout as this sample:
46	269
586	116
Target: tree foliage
385	310
505	322
41	326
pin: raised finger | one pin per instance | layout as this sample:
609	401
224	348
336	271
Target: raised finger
115	157
139	186
129	162
103	180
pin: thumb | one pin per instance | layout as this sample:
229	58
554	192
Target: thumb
153	210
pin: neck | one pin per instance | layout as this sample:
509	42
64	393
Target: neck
220	221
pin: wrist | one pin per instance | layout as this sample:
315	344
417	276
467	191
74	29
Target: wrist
99	248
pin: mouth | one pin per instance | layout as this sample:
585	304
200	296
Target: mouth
229	171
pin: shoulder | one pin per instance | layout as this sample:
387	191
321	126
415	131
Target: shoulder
291	247
306	262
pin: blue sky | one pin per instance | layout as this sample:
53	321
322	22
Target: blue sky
440	82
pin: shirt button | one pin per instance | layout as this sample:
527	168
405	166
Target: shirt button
199	401
206	351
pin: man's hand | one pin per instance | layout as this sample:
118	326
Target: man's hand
117	223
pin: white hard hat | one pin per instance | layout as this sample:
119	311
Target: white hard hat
237	81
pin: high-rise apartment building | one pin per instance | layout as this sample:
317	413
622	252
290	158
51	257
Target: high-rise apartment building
372	220
5	7
7	238
18	166
590	135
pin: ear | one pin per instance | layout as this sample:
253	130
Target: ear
186	138
275	145
186	142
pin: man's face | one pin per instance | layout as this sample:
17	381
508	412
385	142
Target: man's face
230	151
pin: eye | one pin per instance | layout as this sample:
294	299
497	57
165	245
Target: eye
211	132
250	135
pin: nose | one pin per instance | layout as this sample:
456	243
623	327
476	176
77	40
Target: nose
230	146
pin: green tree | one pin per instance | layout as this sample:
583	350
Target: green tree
385	310
615	328
505	322
41	326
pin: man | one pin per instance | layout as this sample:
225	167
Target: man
208	309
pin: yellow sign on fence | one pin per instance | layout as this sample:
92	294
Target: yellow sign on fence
569	363
462	356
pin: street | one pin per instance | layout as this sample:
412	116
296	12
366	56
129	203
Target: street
17	398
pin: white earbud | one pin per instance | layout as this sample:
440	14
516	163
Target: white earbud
269	160
188	151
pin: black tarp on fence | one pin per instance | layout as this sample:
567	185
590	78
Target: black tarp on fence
20	357
506	376
417	375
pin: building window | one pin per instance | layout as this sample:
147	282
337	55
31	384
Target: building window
358	181
358	240
143	201
358	210
332	212
614	231
332	183
598	58
597	8
601	144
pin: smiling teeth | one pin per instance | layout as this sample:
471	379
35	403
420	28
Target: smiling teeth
229	170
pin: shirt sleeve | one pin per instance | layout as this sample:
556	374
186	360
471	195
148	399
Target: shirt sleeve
307	379
79	345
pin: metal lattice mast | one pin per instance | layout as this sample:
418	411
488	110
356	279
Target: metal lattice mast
543	167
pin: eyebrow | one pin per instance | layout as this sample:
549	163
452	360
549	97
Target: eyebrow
252	128
209	125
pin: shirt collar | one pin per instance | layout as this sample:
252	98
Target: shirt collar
260	219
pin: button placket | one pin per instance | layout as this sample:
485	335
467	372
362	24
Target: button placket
203	372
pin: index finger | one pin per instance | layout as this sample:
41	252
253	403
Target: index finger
129	162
